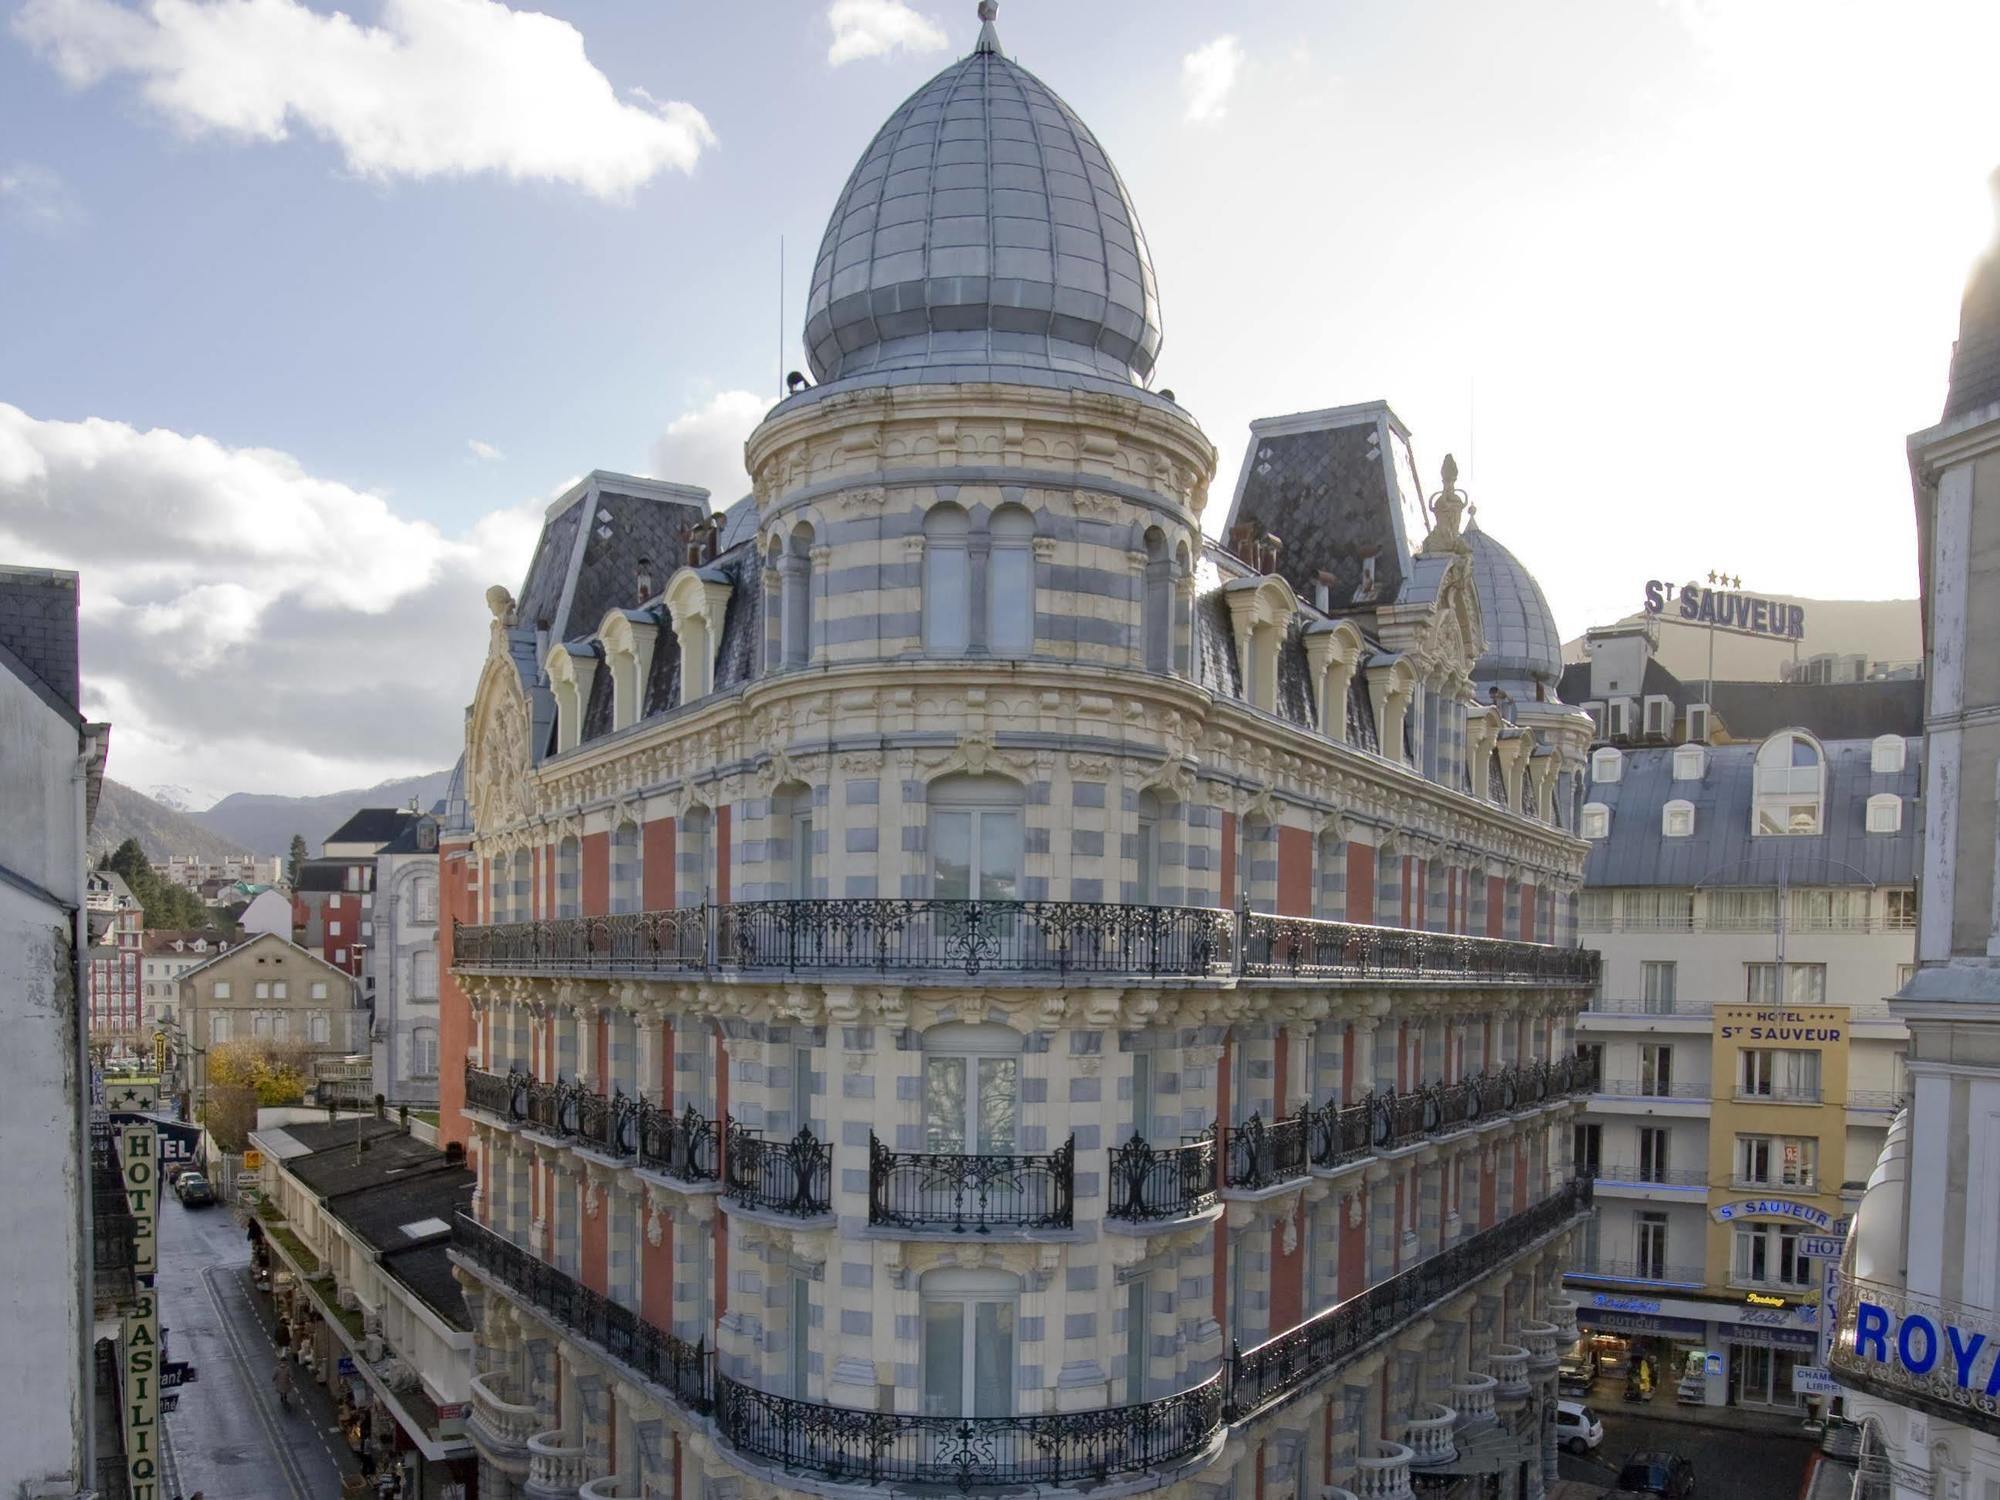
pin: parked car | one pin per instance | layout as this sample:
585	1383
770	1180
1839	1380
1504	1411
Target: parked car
1577	1427
1667	1475
1576	1375
193	1190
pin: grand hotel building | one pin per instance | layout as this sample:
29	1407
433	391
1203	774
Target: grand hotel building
966	983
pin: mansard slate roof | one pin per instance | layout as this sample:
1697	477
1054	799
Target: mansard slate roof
1523	647
1724	852
372	825
983	231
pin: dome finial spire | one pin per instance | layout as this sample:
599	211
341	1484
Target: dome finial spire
989	39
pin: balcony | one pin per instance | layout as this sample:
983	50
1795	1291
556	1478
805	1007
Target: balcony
502	1426
959	1193
1881	1329
1779	1094
1562	1313
558	1466
846	1445
1624	1174
1544	1341
1642	1273
1886	1100
1653	1088
1473	1398
1383	1474
792	1179
1155	1186
684	1147
1256	1156
610	1487
969	938
1429	1436
1510	1372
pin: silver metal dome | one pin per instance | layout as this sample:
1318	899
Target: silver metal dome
1522	646
983	227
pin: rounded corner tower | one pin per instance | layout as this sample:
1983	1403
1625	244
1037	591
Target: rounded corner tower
1523	647
983	235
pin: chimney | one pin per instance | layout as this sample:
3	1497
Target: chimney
645	581
1242	540
1268	548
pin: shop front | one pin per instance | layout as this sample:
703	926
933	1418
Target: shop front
1761	1361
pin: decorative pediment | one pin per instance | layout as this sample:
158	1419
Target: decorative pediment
499	757
977	755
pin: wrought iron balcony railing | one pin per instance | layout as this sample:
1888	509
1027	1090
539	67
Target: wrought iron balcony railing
1256	1155
684	1147
975	937
793	1178
960	1192
850	1445
1624	1174
1279	1366
1940	1356
1150	1184
1649	1272
682	1368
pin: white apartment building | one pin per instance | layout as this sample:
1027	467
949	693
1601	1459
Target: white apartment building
1917	1342
405	965
969	983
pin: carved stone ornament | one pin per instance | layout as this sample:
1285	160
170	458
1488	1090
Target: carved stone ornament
499	789
1289	1242
593	1199
1354	1210
655	1227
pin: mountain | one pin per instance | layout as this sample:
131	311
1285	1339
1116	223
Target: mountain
123	813
264	824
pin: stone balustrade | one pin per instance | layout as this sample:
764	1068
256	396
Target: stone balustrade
1429	1435
1545	1344
1335	1492
1384	1474
501	1423
558	1466
1509	1366
610	1487
1472	1397
1562	1313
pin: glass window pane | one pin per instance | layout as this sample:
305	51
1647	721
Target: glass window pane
802	856
993	1359
951	855
947	600
998	1089
944	1359
1142	1093
944	1104
1010	600
999	855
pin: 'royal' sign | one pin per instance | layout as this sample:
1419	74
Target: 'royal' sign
1740	612
1926	1346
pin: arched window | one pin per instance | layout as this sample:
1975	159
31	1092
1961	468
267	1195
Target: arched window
1690	762
975	838
1885	813
1010	582
569	877
774	602
796	580
625	887
1183	624
1885	755
967	1319
1606	765
947	581
1596	821
1156	605
1790	785
792	864
1677	819
424	900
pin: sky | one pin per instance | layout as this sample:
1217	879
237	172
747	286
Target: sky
306	314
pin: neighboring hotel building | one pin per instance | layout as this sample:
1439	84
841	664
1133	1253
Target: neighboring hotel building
1917	1345
883	895
404	963
1753	901
333	903
117	930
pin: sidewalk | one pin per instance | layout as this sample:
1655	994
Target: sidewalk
1607	1398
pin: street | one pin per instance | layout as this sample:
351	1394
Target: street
228	1439
1728	1464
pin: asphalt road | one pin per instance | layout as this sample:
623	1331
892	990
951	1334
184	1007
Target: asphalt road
227	1438
1728	1465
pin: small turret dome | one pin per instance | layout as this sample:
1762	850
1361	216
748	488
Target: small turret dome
983	230
1523	649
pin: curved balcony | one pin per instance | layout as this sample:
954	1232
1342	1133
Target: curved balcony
1429	1437
959	1193
1562	1312
969	938
610	1487
1335	1492
686	1147
1509	1366
1257	1156
793	1179
1383	1474
500	1426
1150	1185
1544	1341
557	1466
851	1446
1473	1397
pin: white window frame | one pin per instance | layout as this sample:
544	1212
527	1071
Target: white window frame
1657	715
968	1290
1696	721
1607	765
1690	763
1887	755
981	800
1885	813
1677	819
947	588
1596	821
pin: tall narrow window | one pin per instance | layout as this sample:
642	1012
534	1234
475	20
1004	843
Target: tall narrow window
792	842
1135	1340
1649	1241
947	582
1148	851
796	581
1652	1154
423	975
693	886
1142	1094
972	1089
975	838
1010	583
1657	980
801	1320
967	1328
1156	604
1656	1069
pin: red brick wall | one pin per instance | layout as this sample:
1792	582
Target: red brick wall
593	1241
457	898
1295	876
1287	1281
1230	895
1496	906
596	888
656	1273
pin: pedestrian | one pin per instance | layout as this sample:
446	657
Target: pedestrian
281	1382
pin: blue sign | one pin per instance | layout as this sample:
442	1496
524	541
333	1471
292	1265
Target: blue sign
1918	1343
1772	1208
1821	1246
345	1366
1625	1304
1739	612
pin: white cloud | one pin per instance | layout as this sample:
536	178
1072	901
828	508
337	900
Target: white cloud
704	446
35	195
875	28
485	452
1208	74
440	88
248	623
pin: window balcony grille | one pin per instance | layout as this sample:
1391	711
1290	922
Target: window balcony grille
1648	1273
1626	1174
959	1192
1256	1155
685	1147
793	1178
1871	1352
1151	1184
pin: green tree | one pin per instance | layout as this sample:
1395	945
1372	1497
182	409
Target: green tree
295	860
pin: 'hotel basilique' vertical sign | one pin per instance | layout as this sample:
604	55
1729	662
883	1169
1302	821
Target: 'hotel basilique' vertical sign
139	1161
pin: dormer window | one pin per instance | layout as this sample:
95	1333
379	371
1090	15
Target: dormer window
698	601
1690	763
1659	716
1790	784
1596	712
571	670
1677	820
1596	821
1885	813
1621	718
1885	756
628	636
1698	716
1261	610
1606	765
